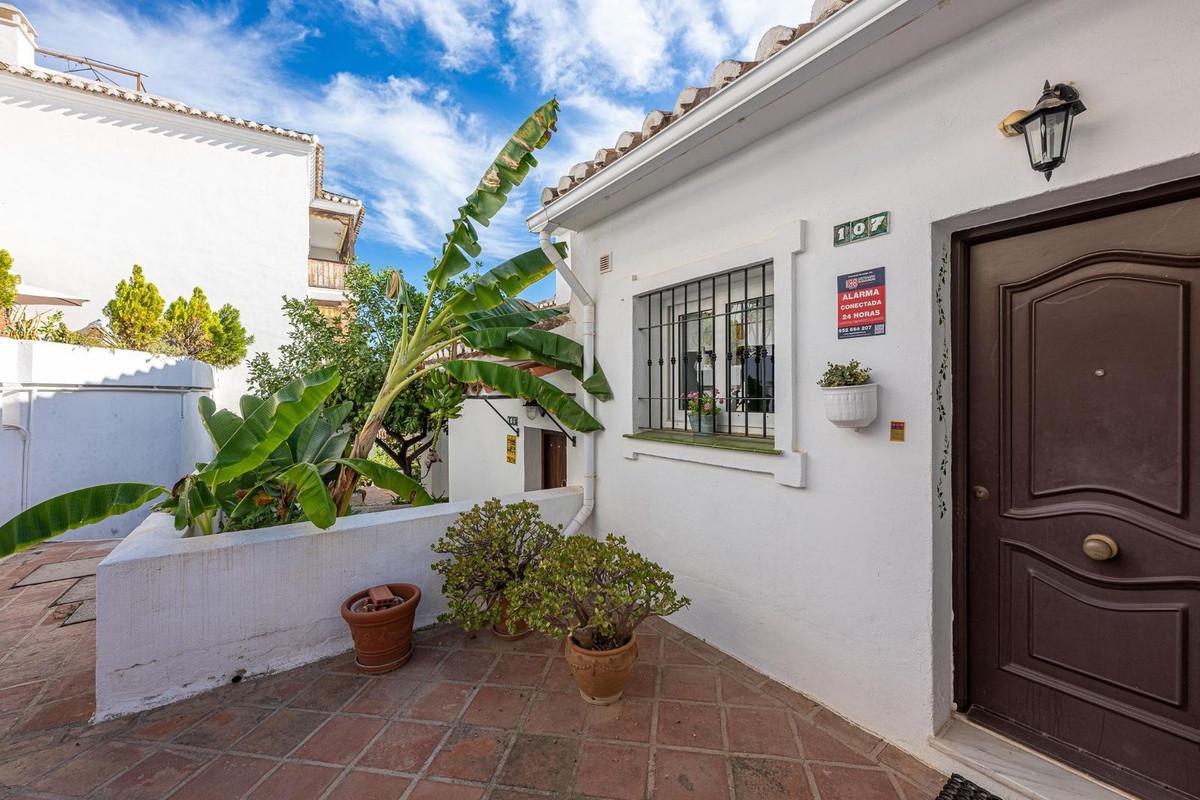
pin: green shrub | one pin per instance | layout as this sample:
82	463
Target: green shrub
229	339
596	592
8	285
135	312
188	324
491	547
852	374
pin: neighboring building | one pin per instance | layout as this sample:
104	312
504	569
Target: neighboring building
503	445
957	553
99	176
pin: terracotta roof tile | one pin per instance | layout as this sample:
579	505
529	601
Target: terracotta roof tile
772	42
55	78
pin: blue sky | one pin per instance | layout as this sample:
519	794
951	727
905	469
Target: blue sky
412	98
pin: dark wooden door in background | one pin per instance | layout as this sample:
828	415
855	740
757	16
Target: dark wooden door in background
1083	393
554	460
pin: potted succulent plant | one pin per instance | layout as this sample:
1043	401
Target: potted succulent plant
490	548
851	399
703	408
594	593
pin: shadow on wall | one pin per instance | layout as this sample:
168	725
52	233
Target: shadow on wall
78	111
75	417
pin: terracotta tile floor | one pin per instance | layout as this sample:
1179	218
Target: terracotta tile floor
468	717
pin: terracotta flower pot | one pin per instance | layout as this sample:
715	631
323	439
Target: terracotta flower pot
508	628
601	674
383	637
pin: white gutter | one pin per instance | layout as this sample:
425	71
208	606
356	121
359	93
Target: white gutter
587	329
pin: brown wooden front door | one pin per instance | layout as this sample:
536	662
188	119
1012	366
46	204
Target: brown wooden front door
554	460
1083	421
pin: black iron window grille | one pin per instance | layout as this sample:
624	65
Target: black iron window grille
710	338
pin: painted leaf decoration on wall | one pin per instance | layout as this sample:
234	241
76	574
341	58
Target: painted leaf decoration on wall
73	510
518	383
269	425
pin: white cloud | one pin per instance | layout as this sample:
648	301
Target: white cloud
463	28
405	146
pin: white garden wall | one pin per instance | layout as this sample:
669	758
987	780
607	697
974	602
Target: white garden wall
178	616
194	201
77	416
842	588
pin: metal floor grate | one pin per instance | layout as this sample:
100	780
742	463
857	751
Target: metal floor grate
959	788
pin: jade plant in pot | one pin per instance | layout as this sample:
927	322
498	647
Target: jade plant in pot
703	408
595	593
491	548
851	398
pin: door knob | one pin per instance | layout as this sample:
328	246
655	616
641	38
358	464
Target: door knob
1100	547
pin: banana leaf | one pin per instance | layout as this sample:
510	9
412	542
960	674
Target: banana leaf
558	351
73	510
269	425
510	167
496	285
311	494
391	479
518	383
512	313
220	423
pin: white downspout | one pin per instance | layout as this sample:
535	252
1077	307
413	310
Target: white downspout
587	330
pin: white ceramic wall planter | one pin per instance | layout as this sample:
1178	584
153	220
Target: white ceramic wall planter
852	406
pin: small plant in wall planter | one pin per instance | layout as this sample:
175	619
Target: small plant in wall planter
703	408
594	593
851	398
491	548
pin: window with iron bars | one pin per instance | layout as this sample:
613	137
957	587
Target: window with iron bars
714	336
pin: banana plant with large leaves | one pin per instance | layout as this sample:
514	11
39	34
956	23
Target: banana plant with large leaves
485	315
272	464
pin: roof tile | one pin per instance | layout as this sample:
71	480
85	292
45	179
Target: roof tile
772	42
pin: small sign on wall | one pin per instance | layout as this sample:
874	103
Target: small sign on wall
511	449
862	304
865	228
897	434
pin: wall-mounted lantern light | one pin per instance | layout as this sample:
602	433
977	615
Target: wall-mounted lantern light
1047	127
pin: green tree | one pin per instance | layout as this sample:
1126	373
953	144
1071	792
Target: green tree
360	341
8	287
485	314
188	324
229	339
135	312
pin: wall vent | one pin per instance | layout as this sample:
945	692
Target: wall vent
606	263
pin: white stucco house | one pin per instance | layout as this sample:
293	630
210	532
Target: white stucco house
100	174
505	445
1000	574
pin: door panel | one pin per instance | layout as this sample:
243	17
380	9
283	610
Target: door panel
554	460
1082	396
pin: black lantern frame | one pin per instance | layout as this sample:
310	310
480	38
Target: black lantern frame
1047	127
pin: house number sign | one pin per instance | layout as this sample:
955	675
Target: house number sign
865	228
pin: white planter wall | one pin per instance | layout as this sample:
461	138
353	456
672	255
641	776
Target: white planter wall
178	616
76	417
195	202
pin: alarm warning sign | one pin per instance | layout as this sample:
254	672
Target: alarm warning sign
861	304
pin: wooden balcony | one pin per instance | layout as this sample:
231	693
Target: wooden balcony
326	274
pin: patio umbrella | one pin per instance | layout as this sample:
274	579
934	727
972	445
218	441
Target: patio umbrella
29	295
